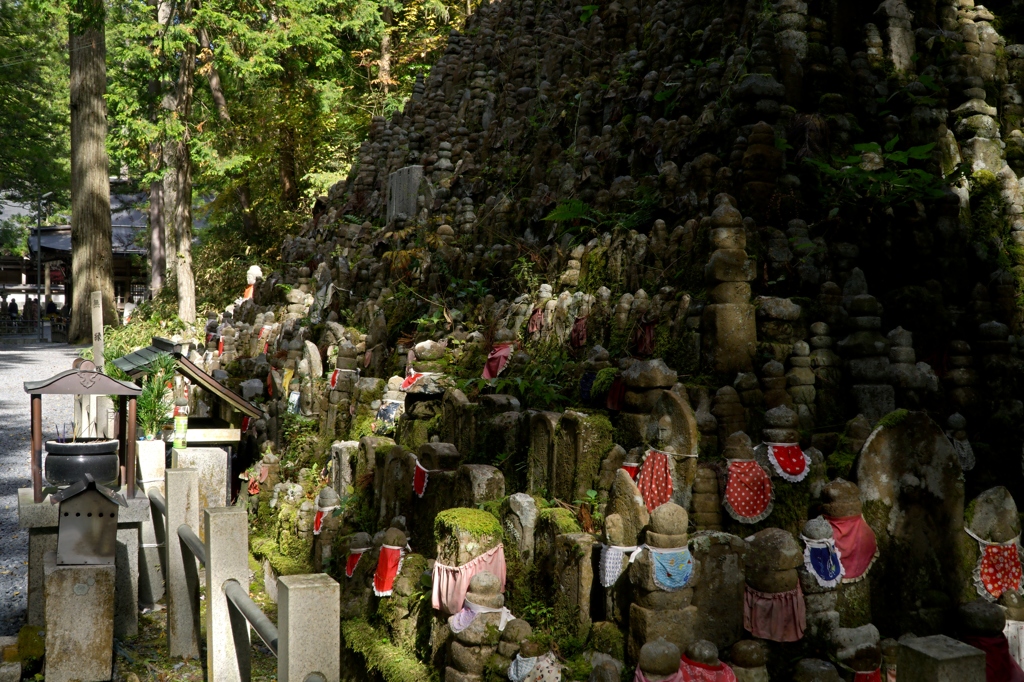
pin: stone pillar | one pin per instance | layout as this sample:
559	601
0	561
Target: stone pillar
543	426
656	612
729	335
867	352
227	558
79	621
520	522
309	627
343	465
574	573
182	577
213	467
707	503
151	456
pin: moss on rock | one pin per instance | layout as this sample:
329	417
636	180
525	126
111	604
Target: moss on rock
559	519
393	663
476	522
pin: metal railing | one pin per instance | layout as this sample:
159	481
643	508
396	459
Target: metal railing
306	655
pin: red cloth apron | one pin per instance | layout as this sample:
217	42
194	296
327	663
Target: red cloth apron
999	665
789	461
856	544
389	563
748	491
496	360
874	676
451	583
411	379
655	480
694	671
354	555
419	479
779	616
632	468
616	394
639	676
578	336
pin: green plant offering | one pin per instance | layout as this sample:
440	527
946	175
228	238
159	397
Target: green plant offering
155	401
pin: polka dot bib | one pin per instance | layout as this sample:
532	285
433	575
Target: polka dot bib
655	480
748	492
998	569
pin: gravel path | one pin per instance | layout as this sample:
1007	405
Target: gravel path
17	365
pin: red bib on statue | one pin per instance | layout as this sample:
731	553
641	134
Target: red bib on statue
748	491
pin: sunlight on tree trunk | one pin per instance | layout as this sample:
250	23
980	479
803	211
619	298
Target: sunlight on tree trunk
183	160
91	249
157	246
384	65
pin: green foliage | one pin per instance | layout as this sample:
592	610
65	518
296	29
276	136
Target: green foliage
393	663
146	323
893	419
882	176
155	401
14	235
603	381
34	104
476	522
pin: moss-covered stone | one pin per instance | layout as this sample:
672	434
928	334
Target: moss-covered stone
607	638
559	520
462	534
393	663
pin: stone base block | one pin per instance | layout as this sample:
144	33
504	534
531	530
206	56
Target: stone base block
453	675
939	659
645	625
10	672
79	621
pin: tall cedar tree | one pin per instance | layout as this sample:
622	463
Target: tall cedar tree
91	248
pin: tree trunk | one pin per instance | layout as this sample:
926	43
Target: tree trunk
183	173
384	65
92	267
216	90
286	167
170	203
249	222
157	245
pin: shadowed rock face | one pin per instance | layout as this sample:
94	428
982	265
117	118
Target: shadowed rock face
912	491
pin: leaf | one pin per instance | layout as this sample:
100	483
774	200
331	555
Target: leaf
665	94
929	83
588	12
891	144
833	213
921	152
567	211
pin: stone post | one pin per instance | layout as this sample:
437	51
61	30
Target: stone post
309	627
79	621
212	466
729	333
182	577
227	558
151	474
